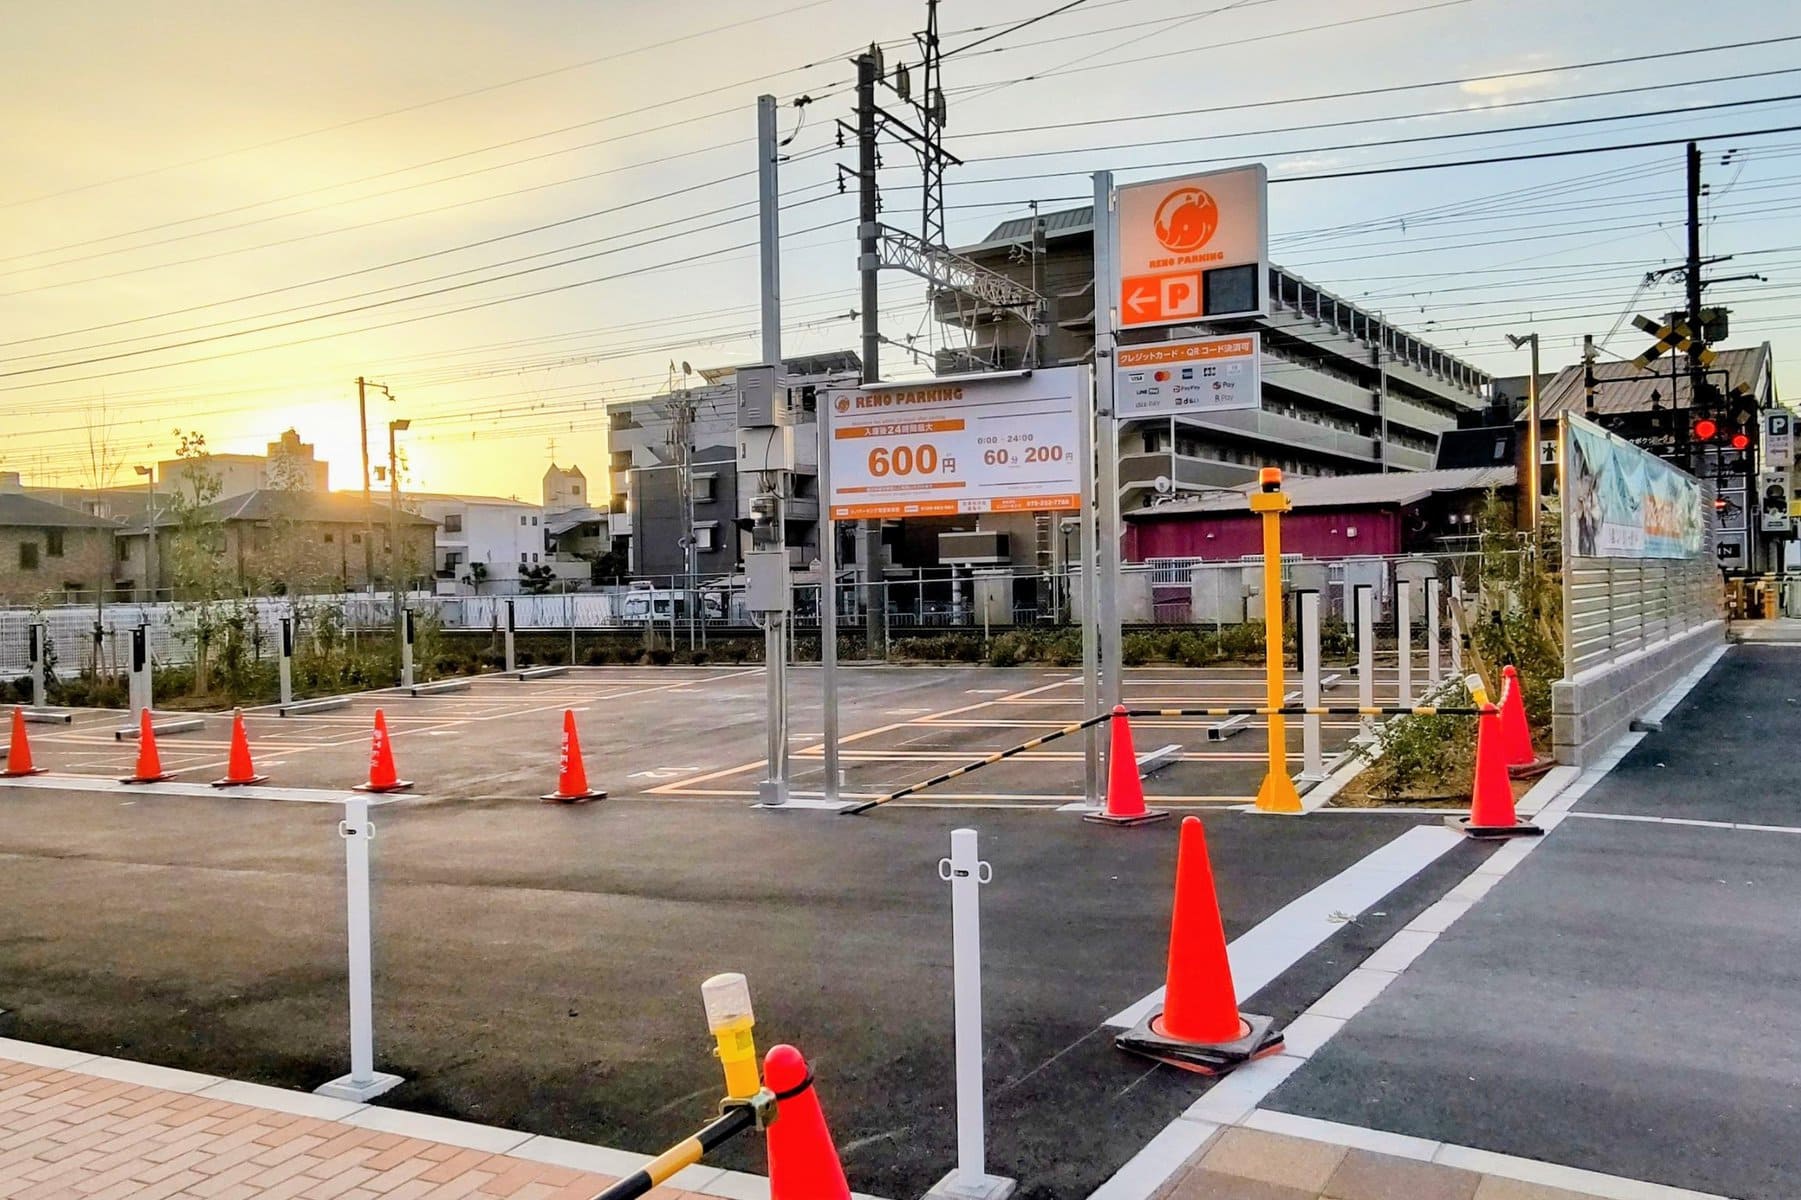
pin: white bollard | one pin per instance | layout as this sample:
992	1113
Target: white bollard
1433	674
1366	650
38	636
139	687
364	1082
1456	627
966	874
1404	639
285	667
512	664
406	648
1312	764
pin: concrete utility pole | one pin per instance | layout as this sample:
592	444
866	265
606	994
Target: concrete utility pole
868	259
362	417
1530	458
769	230
394	519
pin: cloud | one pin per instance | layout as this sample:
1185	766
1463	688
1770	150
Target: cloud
1505	85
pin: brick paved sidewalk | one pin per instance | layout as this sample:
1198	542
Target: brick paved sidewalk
1249	1164
70	1134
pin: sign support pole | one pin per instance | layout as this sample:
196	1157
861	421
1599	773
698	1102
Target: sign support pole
1106	582
1091	686
828	609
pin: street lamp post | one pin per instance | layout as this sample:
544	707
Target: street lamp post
1531	455
395	427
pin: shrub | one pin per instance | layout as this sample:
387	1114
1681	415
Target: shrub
1010	649
1432	755
1242	641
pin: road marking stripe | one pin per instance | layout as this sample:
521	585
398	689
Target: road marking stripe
1291	932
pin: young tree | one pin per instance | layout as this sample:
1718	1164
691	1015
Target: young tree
197	566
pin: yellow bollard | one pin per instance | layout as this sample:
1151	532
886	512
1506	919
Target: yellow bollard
1277	793
730	1020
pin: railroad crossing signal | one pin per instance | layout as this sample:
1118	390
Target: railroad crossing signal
1674	335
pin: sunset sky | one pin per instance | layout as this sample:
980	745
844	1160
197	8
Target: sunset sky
215	216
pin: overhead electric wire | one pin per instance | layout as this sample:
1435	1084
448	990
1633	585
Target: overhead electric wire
439	278
1215	109
393	112
1441	112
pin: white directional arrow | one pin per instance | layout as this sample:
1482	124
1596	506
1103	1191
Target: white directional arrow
1140	299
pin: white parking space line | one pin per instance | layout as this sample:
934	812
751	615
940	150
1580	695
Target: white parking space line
1291	932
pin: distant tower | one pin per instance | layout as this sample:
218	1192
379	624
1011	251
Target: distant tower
565	489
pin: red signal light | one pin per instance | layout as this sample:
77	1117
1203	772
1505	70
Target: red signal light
1741	440
1705	430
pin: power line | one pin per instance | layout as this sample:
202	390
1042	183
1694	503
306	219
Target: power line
662	266
420	282
1044	16
1446	112
393	112
1214	109
1390	170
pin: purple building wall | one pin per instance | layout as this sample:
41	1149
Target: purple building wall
1315	533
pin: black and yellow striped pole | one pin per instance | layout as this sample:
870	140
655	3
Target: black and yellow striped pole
684	1153
1277	792
747	1104
978	764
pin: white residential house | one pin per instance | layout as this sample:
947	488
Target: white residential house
483	541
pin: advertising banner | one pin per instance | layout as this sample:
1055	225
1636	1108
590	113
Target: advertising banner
1197	377
1006	442
1624	503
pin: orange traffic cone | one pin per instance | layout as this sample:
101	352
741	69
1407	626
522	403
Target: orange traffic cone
150	764
18	754
572	776
1516	736
1125	790
382	776
238	768
803	1163
1491	791
1199	1027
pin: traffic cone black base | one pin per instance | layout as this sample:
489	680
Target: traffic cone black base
1493	832
1531	770
1259	1039
577	798
231	783
1143	818
148	778
399	785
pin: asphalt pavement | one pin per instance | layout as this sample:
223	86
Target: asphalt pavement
538	966
1623	1001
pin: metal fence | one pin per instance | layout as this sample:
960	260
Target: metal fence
1166	591
1617	606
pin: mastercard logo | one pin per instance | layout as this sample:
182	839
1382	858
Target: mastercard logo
1160	376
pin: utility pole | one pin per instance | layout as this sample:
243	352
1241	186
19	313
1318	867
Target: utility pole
394	523
363	386
362	417
1530	458
1381	400
868	259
